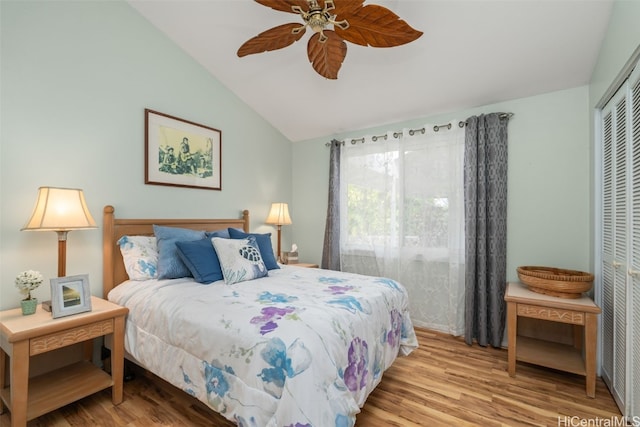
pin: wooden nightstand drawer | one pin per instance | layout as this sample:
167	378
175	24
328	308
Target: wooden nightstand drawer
69	337
553	314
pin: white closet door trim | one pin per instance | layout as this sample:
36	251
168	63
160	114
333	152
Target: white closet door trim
611	279
633	290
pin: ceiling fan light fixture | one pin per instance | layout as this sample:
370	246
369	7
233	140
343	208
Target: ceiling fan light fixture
317	22
317	18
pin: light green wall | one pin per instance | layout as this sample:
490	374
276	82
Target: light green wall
75	80
548	189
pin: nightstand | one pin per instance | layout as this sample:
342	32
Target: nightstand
25	336
581	312
304	265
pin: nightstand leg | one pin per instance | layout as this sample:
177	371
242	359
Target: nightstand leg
512	333
3	373
590	344
117	360
19	367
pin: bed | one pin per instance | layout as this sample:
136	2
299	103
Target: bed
295	347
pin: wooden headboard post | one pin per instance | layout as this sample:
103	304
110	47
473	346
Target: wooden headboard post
113	228
108	250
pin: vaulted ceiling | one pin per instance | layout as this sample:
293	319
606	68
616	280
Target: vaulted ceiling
472	53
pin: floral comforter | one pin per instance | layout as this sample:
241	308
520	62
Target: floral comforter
301	347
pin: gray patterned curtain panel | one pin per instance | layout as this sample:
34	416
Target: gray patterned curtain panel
331	249
485	200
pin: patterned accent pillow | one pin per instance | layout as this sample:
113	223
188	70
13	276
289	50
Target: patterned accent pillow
140	255
240	259
170	266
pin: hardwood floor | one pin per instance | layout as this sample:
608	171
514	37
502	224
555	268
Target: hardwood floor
443	383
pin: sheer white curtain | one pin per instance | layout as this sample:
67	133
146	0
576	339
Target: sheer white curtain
402	217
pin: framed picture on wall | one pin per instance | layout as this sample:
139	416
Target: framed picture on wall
70	295
181	153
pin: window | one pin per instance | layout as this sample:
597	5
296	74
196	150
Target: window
403	218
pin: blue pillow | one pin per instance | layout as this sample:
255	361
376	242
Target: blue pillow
218	233
264	245
170	266
201	260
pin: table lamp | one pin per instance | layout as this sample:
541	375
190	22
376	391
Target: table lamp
60	210
279	215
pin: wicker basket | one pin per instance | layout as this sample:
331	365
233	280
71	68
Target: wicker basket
557	282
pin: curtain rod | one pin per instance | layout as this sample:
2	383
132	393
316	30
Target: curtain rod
412	132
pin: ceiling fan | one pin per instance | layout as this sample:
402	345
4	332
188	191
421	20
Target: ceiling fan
333	22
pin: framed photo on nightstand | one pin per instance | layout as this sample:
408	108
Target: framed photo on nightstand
70	295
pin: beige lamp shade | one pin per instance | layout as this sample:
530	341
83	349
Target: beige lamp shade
279	214
60	209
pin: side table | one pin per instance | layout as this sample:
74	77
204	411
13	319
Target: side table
24	336
581	312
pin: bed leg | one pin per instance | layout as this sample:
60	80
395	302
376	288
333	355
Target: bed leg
128	372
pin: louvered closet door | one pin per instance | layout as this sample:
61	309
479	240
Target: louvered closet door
633	307
608	275
620	236
614	250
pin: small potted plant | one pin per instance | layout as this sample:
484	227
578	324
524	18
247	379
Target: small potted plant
26	282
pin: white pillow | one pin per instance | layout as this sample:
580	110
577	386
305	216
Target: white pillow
140	255
240	259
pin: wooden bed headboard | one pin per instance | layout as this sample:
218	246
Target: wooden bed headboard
113	228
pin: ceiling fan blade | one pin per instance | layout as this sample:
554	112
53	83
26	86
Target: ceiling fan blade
285	5
326	56
376	26
346	8
272	39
